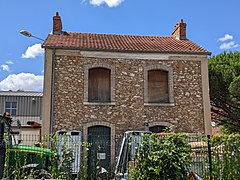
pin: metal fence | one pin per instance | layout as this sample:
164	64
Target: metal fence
70	157
66	157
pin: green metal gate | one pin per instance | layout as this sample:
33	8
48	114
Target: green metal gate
99	153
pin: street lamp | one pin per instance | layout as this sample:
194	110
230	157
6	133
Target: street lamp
28	34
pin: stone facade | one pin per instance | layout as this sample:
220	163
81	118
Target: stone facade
106	84
128	110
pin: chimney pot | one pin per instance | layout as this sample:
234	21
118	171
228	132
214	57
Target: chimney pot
57	24
179	31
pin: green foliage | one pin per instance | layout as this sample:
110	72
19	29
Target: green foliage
163	158
82	175
54	158
59	167
226	156
224	77
61	164
65	162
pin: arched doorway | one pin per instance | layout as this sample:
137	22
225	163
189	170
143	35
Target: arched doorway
99	153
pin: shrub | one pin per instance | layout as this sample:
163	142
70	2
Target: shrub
226	156
163	158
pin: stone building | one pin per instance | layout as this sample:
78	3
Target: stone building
106	84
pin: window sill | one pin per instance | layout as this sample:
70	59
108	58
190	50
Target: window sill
100	103
159	104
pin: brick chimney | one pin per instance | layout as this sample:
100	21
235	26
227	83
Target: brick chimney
179	31
57	24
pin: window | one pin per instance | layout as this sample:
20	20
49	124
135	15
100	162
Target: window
99	85
157	129
158	86
11	107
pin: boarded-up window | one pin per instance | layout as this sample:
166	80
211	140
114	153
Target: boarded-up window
158	86
99	85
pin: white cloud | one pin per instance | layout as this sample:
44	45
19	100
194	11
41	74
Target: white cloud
225	38
9	62
33	51
5	67
22	81
229	45
110	3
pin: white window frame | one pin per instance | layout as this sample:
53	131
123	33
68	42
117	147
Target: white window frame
11	108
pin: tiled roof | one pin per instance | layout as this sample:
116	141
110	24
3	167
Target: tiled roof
20	93
122	43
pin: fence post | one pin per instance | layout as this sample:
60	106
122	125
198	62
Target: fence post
2	150
210	156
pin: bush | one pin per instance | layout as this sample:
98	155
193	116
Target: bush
226	156
163	158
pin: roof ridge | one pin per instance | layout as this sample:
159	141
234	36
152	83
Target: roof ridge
90	33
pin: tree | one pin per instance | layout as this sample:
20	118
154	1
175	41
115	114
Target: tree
224	78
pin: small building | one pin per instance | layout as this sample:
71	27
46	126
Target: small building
25	109
106	84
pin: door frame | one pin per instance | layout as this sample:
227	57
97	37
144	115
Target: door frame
112	138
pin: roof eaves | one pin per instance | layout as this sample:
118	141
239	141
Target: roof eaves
126	51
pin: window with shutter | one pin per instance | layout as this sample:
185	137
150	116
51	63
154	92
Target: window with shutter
158	91
99	85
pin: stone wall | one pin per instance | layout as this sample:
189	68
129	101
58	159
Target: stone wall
128	111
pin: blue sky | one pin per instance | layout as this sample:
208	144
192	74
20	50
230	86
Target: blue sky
212	24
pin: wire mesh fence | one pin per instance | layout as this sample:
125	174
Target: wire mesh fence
70	156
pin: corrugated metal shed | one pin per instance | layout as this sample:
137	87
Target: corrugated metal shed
20	93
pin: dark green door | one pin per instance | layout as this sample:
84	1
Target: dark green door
99	154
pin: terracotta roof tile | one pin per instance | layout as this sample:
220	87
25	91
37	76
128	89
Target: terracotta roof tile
121	43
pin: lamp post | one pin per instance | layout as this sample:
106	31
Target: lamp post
28	34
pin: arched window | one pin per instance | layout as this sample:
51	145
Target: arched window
157	129
99	85
158	88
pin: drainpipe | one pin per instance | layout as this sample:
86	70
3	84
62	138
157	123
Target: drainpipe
52	95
